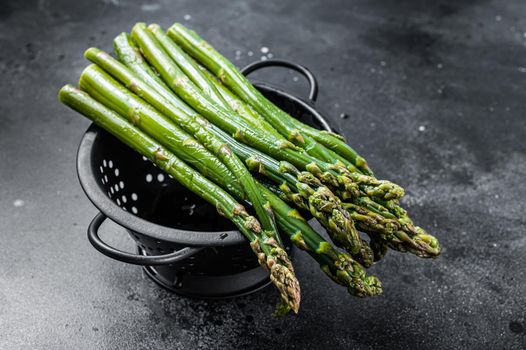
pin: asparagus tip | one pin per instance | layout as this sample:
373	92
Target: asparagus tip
288	285
154	27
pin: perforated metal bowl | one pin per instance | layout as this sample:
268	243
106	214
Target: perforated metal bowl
182	242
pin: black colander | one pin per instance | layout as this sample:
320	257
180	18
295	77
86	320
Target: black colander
182	242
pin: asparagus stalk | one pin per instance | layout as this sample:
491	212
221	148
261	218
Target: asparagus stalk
241	108
129	54
229	75
270	254
186	64
105	89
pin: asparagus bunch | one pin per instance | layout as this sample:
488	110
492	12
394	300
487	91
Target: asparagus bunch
177	101
338	265
102	87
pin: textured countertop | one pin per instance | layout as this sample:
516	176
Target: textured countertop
435	98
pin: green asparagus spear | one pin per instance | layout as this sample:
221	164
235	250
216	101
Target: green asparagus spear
241	108
270	254
186	64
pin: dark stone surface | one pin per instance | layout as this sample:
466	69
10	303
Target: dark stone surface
435	97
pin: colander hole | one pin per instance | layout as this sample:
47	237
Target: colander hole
134	196
109	195
104	163
116	172
134	210
124	208
149	177
111	190
124	199
223	235
116	187
106	178
121	184
118	202
144	158
170	176
102	180
160	177
101	169
110	164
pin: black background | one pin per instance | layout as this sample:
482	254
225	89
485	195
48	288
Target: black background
435	94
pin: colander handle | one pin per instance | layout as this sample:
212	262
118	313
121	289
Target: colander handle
313	83
136	259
